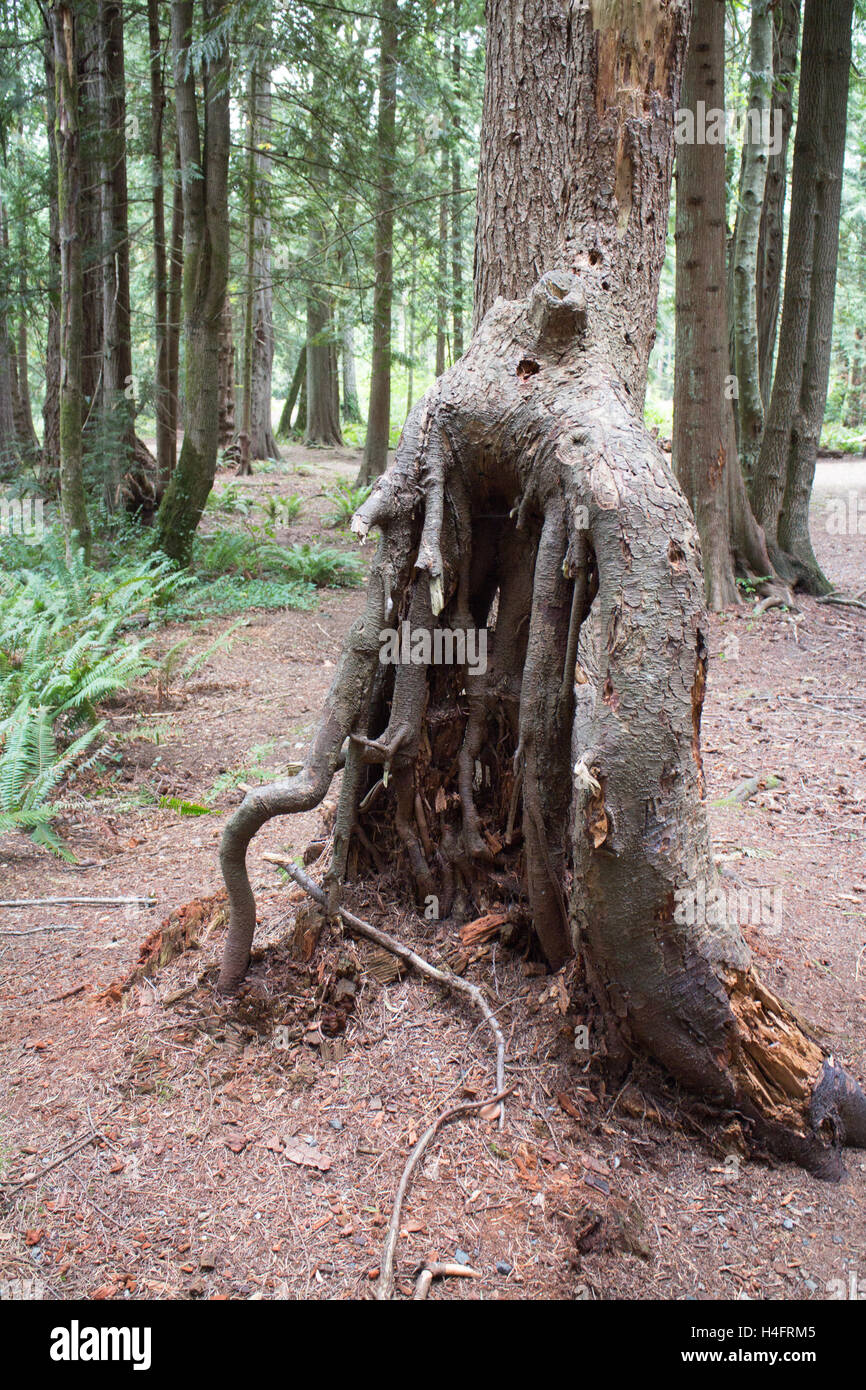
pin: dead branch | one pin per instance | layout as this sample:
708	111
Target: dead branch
77	902
843	600
433	972
385	1283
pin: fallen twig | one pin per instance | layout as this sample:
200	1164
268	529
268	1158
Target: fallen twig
49	926
433	972
385	1283
843	600
76	902
441	1271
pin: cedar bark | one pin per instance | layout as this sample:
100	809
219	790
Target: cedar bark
528	497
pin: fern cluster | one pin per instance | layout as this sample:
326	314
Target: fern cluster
64	647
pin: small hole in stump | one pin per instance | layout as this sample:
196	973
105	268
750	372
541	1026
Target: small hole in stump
526	367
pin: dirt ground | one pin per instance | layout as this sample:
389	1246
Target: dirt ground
156	1142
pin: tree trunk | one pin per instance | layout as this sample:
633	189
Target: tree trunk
73	506
323	412
175	306
166	446
771	240
117	379
379	410
456	196
783	481
263	443
753	179
204	170
527	499
284	428
90	212
442	274
350	407
702	456
226	371
49	476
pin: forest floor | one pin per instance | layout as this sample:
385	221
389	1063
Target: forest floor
156	1142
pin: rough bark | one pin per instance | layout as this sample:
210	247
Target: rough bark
379	408
49	476
351	410
117	380
744	268
226	370
166	447
702	456
456	195
772	234
175	306
528	498
785	470
73	506
204	155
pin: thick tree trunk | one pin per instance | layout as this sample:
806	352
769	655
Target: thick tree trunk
73	506
204	158
379	408
702	456
323	411
90	210
772	235
263	444
744	268
783	481
528	501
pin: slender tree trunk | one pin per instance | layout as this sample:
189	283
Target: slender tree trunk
442	274
49	477
410	347
379	411
284	428
702	455
772	235
456	195
753	178
175	308
783	480
76	525
350	407
244	465
263	443
165	444
117	379
90	213
226	360
204	169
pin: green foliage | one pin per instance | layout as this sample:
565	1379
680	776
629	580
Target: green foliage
309	564
346	500
64	648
